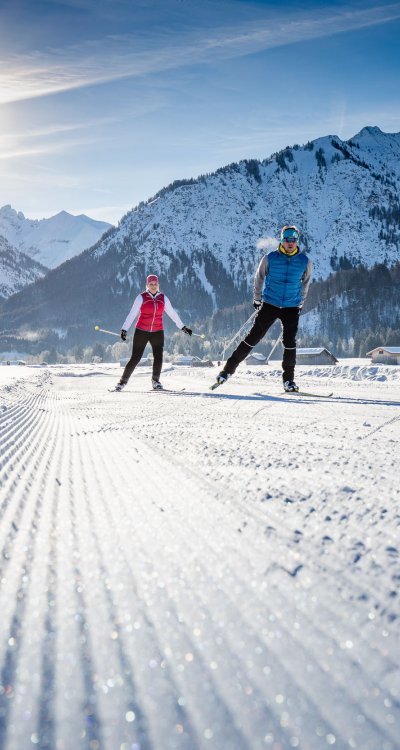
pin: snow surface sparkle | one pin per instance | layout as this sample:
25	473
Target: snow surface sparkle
193	569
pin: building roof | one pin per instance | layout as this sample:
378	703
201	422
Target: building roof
316	350
257	355
185	358
388	349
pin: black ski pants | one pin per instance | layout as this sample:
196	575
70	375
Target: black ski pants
140	339
267	315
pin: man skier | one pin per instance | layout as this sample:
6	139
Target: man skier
280	289
150	307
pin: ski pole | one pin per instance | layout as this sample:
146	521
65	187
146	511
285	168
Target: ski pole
239	332
200	335
253	315
103	330
274	347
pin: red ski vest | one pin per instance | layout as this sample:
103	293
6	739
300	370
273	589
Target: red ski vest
151	312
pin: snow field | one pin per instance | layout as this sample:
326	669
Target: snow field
198	570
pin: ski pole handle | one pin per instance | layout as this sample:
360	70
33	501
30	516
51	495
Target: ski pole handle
103	330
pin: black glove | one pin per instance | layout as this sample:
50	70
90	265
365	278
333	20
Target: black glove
187	330
123	334
257	303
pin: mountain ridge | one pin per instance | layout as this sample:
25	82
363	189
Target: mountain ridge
16	269
204	236
50	241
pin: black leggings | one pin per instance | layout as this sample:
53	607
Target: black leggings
140	339
268	314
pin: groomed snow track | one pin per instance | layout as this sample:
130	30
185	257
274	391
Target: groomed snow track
184	570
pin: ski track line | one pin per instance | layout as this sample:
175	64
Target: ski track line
236	741
10	418
23	643
16	463
326	567
82	618
76	711
35	664
184	720
19	473
40	483
24	633
117	606
231	656
349	632
373	592
84	648
227	720
140	730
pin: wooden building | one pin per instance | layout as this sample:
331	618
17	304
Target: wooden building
386	355
316	356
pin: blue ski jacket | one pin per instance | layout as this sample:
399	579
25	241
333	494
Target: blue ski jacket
283	280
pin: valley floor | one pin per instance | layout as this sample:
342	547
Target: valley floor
192	570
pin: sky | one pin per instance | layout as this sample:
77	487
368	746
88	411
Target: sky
105	102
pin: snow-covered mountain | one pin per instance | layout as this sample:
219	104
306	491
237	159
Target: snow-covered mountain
50	241
205	236
344	196
16	269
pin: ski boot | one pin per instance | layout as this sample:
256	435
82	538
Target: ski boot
119	387
290	386
156	385
220	380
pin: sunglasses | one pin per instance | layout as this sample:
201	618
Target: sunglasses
290	239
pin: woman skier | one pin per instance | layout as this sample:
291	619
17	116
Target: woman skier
149	307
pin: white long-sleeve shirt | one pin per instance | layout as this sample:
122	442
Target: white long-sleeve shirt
136	307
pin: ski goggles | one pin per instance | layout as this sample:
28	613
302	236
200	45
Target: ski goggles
292	236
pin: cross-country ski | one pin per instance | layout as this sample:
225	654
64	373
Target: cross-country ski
308	393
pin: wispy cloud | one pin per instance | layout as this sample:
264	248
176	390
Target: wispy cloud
96	62
61	137
24	181
57	128
49	148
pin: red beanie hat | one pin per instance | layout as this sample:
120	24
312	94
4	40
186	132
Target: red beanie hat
150	278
